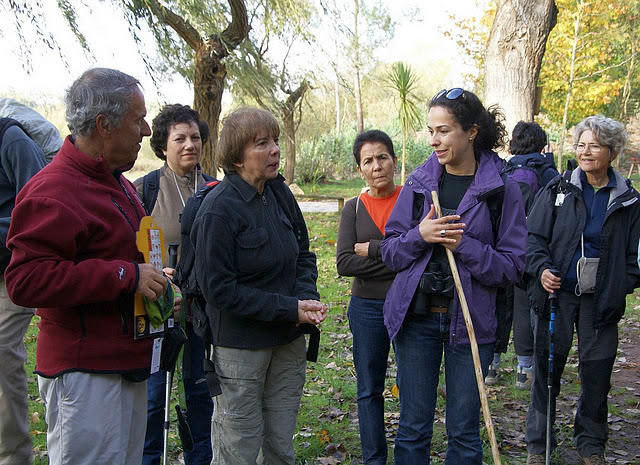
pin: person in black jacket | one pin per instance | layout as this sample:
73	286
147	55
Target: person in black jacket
360	233
258	278
590	212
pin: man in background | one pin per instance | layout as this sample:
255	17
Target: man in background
20	159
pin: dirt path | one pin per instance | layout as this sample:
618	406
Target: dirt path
624	408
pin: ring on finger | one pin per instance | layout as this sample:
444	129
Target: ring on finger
443	233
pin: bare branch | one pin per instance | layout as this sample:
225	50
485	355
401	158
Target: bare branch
238	29
182	27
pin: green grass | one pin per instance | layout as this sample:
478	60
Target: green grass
327	423
346	188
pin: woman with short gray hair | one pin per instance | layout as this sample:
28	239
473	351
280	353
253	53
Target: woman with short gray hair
583	247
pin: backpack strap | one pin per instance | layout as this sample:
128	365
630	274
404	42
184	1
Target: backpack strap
184	277
495	199
150	187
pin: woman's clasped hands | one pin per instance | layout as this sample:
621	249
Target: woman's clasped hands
311	311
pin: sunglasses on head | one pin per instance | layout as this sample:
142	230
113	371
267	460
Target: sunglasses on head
451	94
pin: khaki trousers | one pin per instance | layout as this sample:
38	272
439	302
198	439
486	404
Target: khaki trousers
15	440
94	419
258	407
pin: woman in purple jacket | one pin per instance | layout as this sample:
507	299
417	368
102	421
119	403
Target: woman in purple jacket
422	312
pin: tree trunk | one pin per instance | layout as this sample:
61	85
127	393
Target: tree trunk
356	66
208	86
289	144
209	67
514	55
404	157
572	75
337	97
288	111
358	98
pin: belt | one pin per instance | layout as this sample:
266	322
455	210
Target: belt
438	309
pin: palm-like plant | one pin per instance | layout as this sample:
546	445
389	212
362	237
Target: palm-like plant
402	79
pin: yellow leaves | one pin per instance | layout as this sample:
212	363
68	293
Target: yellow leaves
324	436
395	391
602	46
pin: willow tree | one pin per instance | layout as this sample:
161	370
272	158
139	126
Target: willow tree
195	37
28	18
273	87
403	81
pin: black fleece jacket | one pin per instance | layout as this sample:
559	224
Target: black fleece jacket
554	235
253	263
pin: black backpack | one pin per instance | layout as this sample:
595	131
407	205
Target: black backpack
185	279
504	295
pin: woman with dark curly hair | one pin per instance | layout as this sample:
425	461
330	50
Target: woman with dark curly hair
484	226
177	138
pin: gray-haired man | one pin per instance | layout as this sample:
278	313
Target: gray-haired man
74	258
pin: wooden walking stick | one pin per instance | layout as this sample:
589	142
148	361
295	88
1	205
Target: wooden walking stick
474	344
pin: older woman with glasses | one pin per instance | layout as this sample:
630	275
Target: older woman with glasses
484	226
583	245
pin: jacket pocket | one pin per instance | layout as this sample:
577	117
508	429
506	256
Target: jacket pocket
252	253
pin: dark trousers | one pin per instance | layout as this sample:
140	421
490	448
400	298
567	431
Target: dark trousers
522	323
199	407
370	352
596	351
419	347
504	313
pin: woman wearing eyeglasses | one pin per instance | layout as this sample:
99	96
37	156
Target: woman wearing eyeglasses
586	226
484	226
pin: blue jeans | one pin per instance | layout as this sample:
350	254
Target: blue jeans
419	346
199	407
370	351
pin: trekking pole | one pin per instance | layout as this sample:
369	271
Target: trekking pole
553	300
178	338
484	402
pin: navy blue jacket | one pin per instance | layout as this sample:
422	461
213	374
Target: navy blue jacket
20	159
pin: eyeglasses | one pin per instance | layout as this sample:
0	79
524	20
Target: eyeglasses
593	148
451	94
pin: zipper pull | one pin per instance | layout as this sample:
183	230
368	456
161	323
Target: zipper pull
264	200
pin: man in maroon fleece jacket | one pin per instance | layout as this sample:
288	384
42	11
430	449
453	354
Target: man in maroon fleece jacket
74	257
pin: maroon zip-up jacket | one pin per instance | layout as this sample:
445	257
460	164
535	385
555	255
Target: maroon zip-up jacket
73	243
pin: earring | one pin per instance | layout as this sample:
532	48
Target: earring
470	139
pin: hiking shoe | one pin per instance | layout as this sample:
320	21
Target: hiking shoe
524	378
492	375
535	459
595	459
